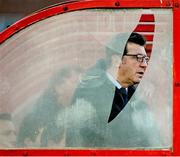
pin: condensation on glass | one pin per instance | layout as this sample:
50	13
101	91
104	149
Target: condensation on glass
45	66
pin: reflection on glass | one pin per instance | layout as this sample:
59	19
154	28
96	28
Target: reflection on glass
7	131
90	84
38	128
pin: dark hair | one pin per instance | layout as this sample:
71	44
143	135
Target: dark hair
118	45
135	38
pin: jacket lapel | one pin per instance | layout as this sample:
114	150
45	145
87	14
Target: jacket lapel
119	103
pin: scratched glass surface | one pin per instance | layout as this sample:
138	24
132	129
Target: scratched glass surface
47	69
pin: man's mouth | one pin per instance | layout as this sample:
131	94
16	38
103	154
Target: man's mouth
141	73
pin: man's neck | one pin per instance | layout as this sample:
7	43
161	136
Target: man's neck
122	82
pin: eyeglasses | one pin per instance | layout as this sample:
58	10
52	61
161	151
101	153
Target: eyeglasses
140	58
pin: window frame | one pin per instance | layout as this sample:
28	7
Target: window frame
174	5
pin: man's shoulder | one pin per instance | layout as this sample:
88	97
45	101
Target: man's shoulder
95	90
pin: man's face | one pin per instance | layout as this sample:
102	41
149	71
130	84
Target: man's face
133	67
7	134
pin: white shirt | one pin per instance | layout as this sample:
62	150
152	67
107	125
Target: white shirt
115	82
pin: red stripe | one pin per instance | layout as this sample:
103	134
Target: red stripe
148	53
148	47
149	37
148	50
145	28
147	18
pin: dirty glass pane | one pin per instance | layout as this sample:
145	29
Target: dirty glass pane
61	81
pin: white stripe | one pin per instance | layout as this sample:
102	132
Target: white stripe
144	33
149	42
147	23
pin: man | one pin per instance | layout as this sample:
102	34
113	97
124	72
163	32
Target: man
106	95
130	72
7	131
101	78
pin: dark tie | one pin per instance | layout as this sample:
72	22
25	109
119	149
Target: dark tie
119	101
123	91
